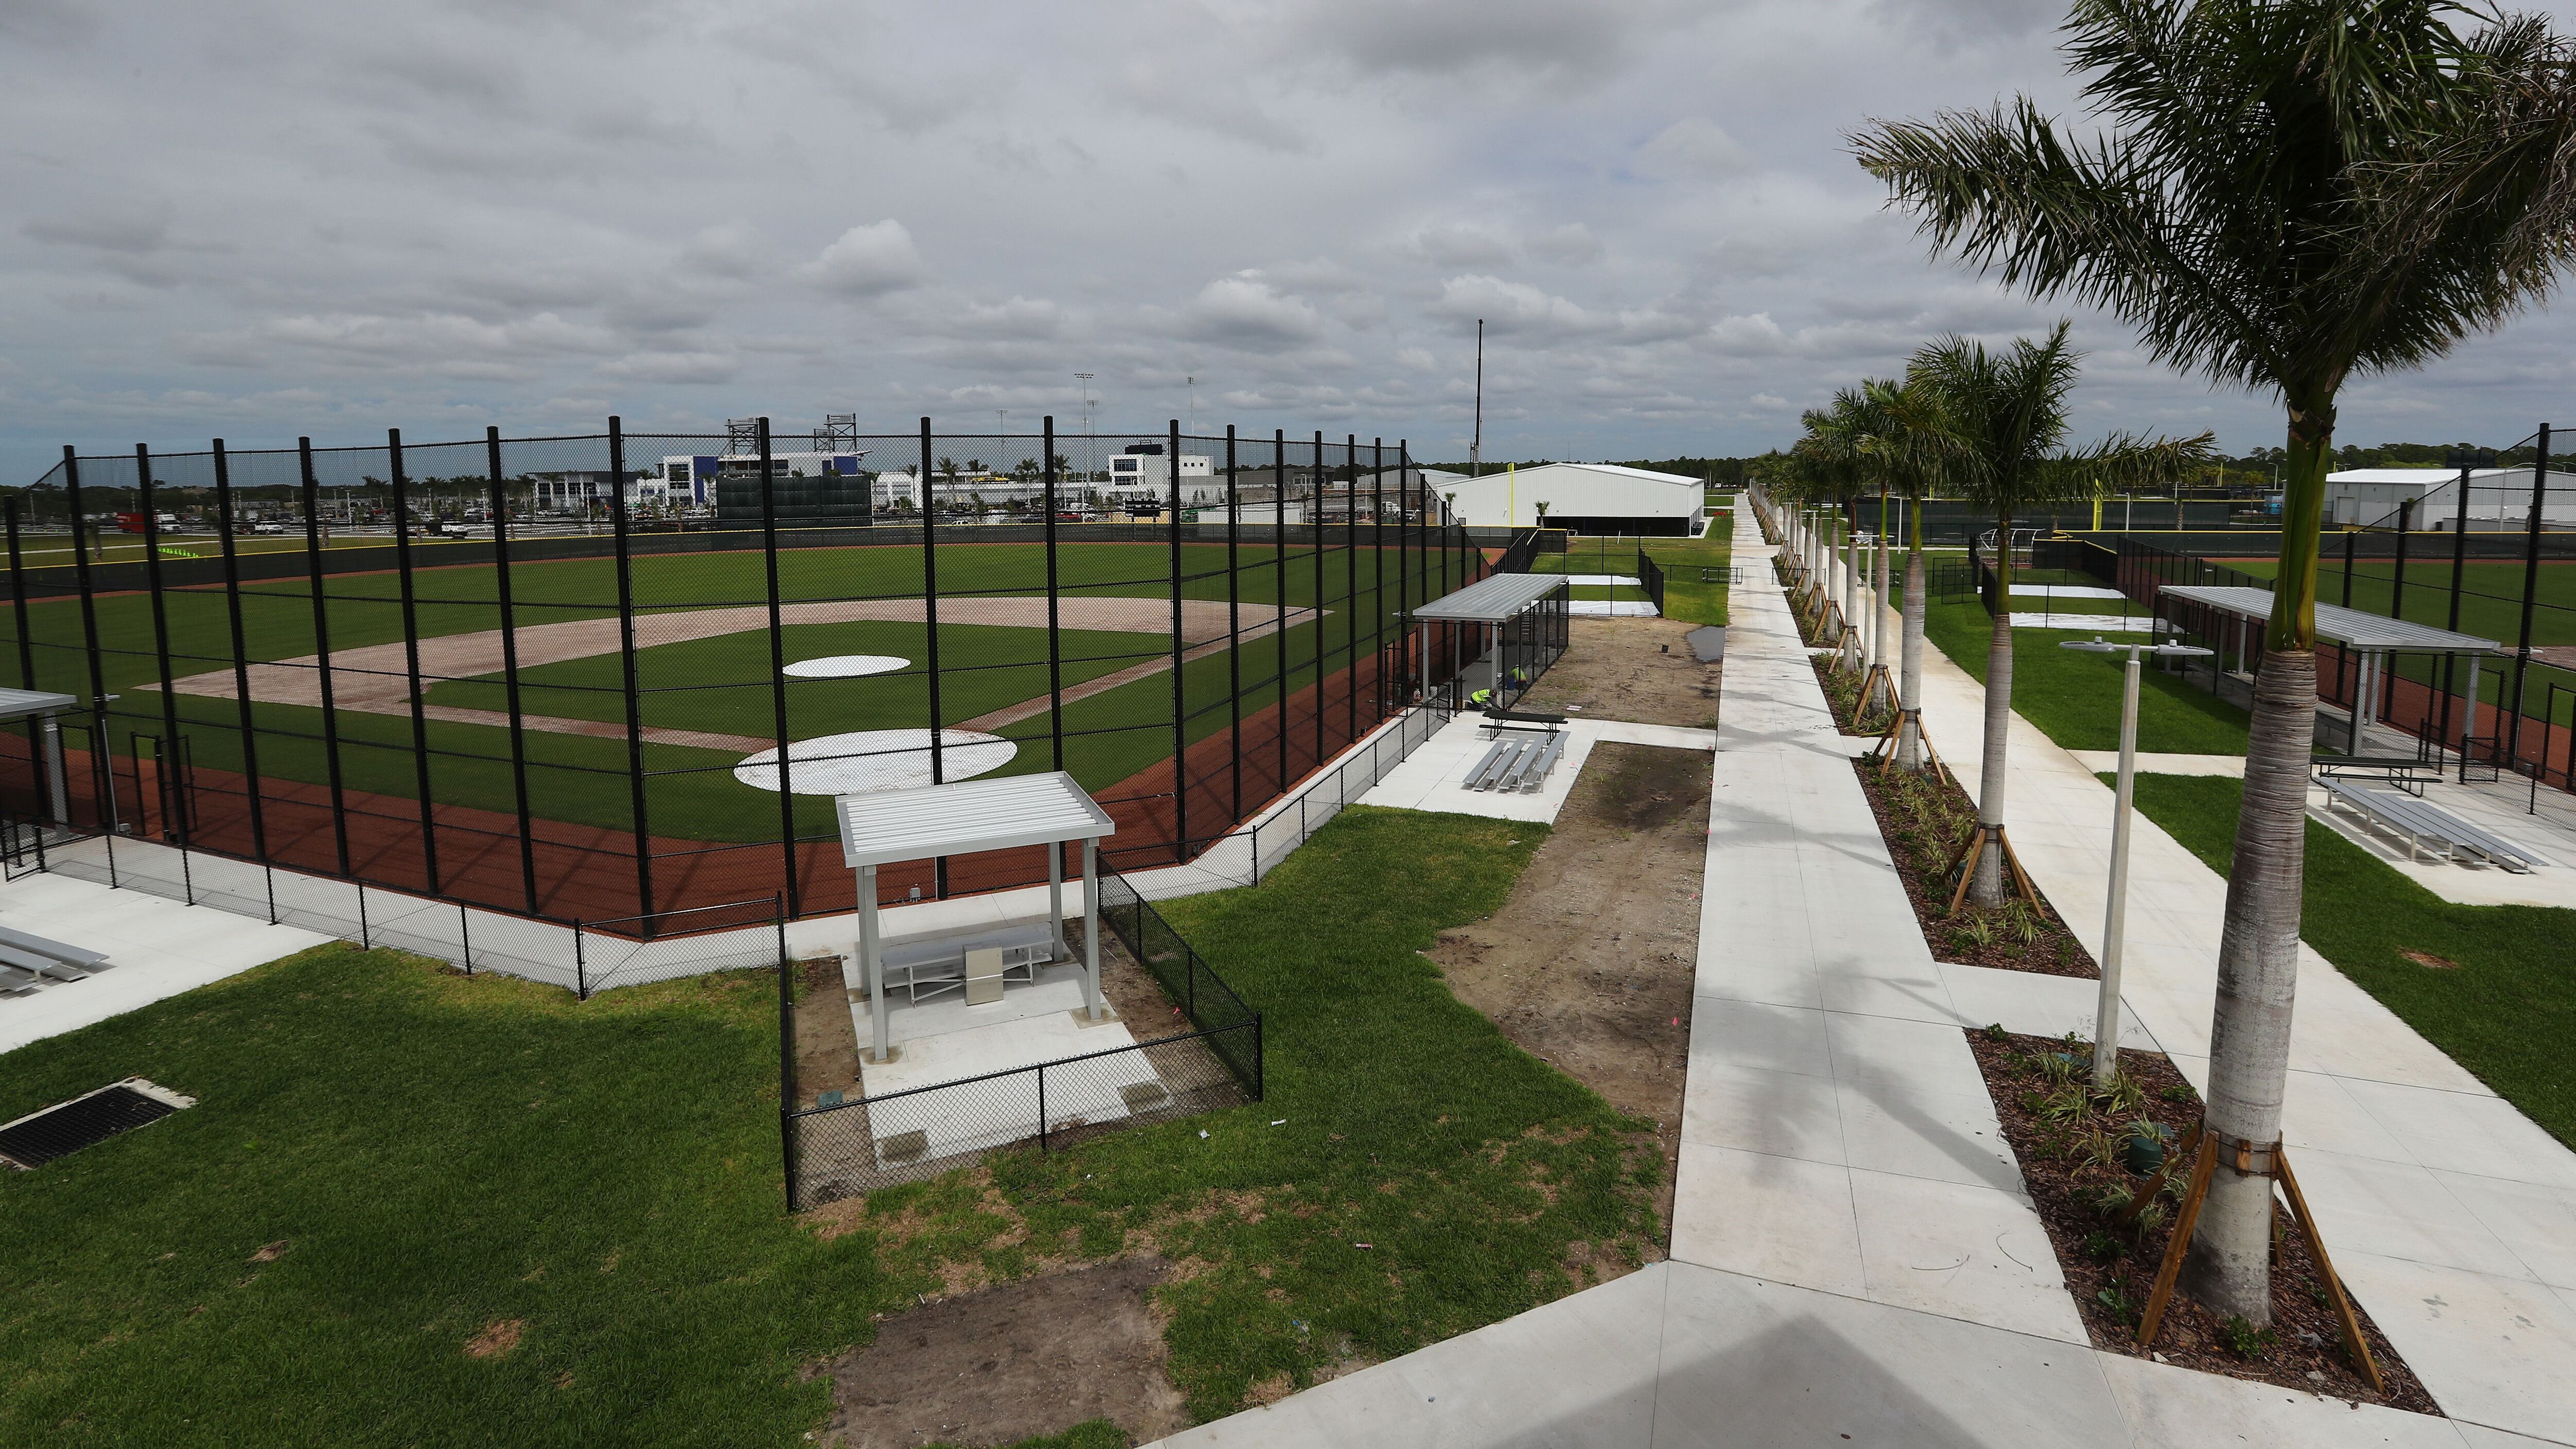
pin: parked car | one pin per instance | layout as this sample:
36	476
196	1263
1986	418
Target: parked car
268	528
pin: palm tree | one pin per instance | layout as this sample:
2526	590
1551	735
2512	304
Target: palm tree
1912	455
2003	425
2279	195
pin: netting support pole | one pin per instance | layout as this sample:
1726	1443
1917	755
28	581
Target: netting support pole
1321	754
510	663
174	807
18	597
1377	549
1055	621
2459	570
2530	590
1234	618
777	670
1351	591
620	517
241	666
411	656
1180	694
1279	584
787	1077
312	493
930	655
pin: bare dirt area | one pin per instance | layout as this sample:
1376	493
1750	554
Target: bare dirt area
1003	1364
827	1041
2072	1150
1588	965
1630	669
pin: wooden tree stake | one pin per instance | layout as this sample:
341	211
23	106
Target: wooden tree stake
2203	1163
2350	1321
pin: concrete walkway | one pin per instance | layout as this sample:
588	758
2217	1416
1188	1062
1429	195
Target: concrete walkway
2452	1215
155	948
1853	1259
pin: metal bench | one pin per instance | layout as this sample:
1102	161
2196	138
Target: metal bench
2422	822
936	964
2410	773
41	956
1517	765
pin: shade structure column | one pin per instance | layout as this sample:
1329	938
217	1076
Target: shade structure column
1055	898
872	964
1091	927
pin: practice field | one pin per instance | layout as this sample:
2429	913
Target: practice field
704	668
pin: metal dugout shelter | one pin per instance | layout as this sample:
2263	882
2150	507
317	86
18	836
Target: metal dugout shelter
1524	619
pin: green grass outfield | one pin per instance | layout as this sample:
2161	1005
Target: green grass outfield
2074	697
433	1154
723	684
1686	597
2506	1014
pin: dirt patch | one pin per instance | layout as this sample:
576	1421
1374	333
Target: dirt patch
2427	958
1026	1359
496	1339
827	1041
2058	1135
1631	669
1924	820
1589	963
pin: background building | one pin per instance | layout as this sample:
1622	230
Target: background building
1585	497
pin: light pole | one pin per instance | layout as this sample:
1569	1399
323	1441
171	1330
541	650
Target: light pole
2106	1011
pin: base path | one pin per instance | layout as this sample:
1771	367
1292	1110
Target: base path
376	678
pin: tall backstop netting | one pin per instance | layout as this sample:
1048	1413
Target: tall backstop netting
616	676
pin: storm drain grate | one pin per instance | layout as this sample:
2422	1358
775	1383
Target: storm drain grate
40	1137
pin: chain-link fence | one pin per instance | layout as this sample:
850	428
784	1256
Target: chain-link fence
622	675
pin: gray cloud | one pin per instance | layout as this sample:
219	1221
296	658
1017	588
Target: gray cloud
327	219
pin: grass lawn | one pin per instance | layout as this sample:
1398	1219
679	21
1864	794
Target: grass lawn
2506	1013
1686	596
2074	697
438	1154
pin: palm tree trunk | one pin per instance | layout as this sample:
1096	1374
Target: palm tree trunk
1989	887
2229	1267
1878	603
1909	682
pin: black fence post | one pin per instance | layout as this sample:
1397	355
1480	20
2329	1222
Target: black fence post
2348	537
2530	588
401	482
1377	548
1180	693
2459	572
787	1075
1351	592
18	597
778	669
1234	618
580	966
241	665
1321	754
88	603
312	493
1055	621
930	655
174	808
620	519
510	663
1042	1110
1279	585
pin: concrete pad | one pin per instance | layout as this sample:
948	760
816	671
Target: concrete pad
1779	1218
1973	1253
156	949
1779	1114
2035	1005
1913	1134
2483	1136
2169	1407
1765	1038
1755	1363
2494	1351
2107	762
2398	1210
2536	1224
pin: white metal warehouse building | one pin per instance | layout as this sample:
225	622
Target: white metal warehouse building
1590	498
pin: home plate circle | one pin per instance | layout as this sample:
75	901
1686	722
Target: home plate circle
845	666
873	760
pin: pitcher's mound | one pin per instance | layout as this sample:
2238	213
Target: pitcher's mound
871	760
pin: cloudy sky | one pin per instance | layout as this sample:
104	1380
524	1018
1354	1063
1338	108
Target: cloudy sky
272	217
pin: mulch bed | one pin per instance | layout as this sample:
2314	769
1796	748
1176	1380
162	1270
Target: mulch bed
1924	820
1842	692
2110	1271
